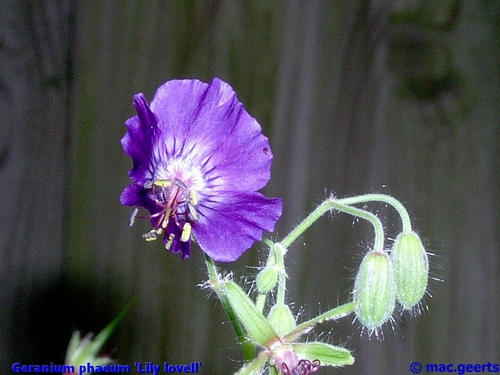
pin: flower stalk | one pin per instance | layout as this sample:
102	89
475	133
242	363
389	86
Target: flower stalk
217	285
342	205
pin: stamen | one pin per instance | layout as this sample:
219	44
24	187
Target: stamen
186	232
131	220
171	238
192	213
164	222
193	197
163	183
180	184
152	234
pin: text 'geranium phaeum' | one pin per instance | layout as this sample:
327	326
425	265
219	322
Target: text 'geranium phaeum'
198	160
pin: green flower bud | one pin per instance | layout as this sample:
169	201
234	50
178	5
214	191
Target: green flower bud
267	279
411	269
374	290
281	319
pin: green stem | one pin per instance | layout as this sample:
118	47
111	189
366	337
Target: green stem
378	244
247	347
339	205
279	252
306	223
334	314
260	301
405	218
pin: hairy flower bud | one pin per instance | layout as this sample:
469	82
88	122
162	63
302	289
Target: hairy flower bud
411	269
267	279
374	290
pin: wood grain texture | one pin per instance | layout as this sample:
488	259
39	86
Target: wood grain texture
356	97
34	86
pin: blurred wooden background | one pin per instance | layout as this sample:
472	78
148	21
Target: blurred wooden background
400	97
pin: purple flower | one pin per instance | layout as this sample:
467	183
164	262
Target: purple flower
198	160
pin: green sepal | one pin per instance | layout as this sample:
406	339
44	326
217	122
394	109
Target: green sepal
255	324
273	370
281	319
254	367
334	314
326	354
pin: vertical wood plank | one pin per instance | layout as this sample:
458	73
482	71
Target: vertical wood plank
34	85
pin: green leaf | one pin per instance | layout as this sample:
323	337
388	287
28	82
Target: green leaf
86	350
255	324
328	355
101	338
254	367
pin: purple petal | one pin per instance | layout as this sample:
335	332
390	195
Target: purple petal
229	224
207	125
140	140
134	195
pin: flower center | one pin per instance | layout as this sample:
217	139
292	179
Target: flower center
304	367
177	210
287	363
